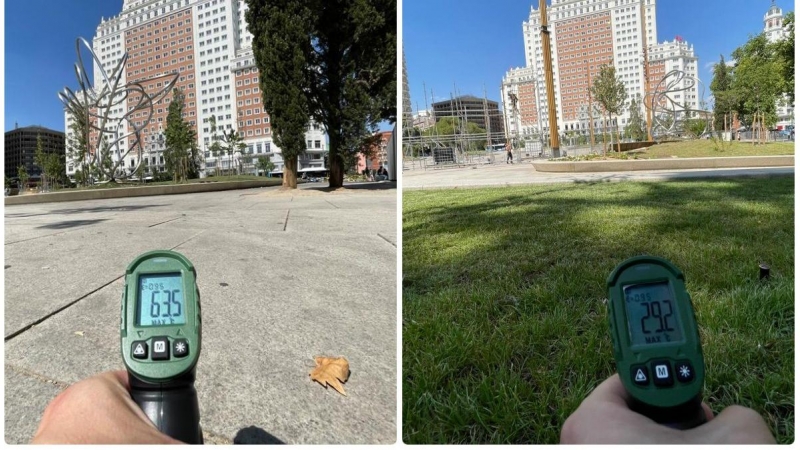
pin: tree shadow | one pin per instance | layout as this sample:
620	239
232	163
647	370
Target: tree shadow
70	224
253	435
96	209
366	186
497	273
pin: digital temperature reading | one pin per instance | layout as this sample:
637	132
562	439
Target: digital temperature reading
161	300
652	314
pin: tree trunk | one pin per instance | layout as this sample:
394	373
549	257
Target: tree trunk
336	179
619	143
290	173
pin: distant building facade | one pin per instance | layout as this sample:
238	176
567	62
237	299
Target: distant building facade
20	148
519	95
380	154
207	42
774	30
668	57
423	120
482	112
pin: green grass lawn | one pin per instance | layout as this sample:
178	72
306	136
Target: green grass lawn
700	148
504	303
697	148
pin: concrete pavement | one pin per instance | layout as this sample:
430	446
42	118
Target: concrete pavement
524	173
283	277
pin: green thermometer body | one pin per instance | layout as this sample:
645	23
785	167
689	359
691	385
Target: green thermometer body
160	341
656	341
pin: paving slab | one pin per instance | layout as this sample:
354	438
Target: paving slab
272	300
26	397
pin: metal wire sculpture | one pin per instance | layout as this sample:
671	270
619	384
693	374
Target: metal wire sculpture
94	108
667	113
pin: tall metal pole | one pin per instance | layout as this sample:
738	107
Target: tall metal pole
646	64
591	107
548	76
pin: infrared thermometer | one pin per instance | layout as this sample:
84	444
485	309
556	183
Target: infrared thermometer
160	341
656	341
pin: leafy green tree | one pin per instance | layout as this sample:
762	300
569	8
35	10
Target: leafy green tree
181	139
453	126
338	58
724	98
264	163
282	49
78	147
635	128
784	50
40	160
757	79
233	143
23	176
215	148
610	93
695	127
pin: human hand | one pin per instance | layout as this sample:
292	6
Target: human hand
604	418
98	410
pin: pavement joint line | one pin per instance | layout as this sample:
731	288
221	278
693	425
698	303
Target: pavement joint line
38	237
286	222
161	223
387	240
326	200
51	314
198	234
47	316
37	376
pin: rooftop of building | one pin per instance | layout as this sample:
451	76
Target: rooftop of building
462	98
33	129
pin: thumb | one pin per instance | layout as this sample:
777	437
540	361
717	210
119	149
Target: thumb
734	425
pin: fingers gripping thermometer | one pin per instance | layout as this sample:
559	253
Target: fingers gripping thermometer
160	341
656	341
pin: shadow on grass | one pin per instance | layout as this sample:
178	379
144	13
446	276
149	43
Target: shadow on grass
504	310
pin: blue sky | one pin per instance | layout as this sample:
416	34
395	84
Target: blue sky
472	43
40	55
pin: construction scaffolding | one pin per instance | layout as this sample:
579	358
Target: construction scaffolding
460	136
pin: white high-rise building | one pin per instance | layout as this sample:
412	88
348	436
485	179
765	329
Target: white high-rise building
585	34
207	43
519	95
668	57
774	31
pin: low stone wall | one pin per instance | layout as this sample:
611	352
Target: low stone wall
143	191
625	165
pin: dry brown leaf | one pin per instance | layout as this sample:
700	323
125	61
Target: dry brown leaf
330	371
79	333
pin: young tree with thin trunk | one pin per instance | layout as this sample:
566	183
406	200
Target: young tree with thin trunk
23	176
610	93
180	139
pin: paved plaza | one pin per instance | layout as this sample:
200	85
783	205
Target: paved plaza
485	175
283	277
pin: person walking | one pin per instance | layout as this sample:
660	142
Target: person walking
509	155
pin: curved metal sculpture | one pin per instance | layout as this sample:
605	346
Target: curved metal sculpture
96	107
668	113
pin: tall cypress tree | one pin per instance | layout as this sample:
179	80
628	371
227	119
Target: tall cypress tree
282	48
333	59
181	150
